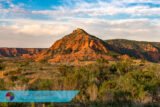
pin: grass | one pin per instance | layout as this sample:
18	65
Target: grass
112	83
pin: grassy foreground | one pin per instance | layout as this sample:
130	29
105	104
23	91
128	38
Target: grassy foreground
128	83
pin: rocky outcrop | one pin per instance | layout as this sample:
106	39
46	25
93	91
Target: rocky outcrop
77	46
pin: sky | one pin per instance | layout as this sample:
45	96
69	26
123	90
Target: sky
39	23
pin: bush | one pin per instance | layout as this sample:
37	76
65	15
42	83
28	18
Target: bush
113	68
101	60
2	66
2	84
42	85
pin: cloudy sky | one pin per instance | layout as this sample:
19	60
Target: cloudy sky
39	23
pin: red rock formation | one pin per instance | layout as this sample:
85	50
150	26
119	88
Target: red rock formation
79	45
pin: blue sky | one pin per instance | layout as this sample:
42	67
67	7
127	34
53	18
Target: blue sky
38	23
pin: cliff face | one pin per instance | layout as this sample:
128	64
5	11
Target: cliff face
143	50
79	40
77	46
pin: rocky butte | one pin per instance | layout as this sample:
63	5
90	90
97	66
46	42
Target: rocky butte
74	47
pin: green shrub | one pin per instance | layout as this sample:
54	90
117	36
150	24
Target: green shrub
2	66
2	85
41	84
113	68
101	60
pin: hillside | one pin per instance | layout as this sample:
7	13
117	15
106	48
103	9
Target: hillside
144	50
123	82
77	46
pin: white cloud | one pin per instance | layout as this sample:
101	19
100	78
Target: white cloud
38	29
101	8
12	10
138	1
81	8
34	28
43	33
22	31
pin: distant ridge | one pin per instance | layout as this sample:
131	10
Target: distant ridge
19	52
81	46
139	49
